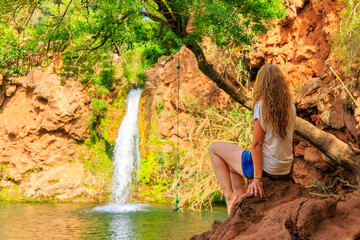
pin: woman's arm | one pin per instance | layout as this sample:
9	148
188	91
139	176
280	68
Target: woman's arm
256	187
291	175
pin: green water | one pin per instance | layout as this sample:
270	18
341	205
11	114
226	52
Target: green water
80	221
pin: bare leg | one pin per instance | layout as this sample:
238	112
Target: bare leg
222	173
237	181
225	156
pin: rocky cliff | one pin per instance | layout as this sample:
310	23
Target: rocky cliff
41	123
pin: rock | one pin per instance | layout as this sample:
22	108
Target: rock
10	90
287	212
308	89
40	124
300	44
343	225
66	180
311	154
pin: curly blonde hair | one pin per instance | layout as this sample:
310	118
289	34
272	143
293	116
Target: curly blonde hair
273	90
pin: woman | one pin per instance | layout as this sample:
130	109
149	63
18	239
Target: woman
271	150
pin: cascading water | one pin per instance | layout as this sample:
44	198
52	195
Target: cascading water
126	157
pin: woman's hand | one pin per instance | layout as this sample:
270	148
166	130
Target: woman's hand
256	188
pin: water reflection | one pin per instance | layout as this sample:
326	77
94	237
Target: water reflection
46	221
79	221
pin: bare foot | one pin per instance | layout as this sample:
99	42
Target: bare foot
230	202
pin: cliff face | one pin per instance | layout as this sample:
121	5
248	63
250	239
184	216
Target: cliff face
301	44
40	124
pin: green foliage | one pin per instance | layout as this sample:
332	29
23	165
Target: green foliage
155	175
99	107
3	168
142	56
159	107
80	32
297	86
233	60
100	162
233	22
14	194
347	39
320	187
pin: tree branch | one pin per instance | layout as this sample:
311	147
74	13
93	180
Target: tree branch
156	18
57	26
109	35
210	72
101	44
164	10
336	150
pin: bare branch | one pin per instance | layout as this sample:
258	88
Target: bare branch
164	10
210	72
156	18
57	26
101	44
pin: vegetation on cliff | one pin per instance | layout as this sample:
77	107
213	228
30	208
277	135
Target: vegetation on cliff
347	39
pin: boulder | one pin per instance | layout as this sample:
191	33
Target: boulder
287	212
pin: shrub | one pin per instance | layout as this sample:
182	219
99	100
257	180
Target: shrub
347	38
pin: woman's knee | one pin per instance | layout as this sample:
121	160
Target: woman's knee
213	147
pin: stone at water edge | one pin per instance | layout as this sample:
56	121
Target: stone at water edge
287	212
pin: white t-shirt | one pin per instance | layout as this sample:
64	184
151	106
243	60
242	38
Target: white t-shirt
277	152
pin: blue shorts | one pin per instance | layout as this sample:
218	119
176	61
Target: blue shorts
248	168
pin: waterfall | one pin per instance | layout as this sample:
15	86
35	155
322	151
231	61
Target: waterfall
126	152
126	158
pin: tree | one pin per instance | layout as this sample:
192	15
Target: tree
226	22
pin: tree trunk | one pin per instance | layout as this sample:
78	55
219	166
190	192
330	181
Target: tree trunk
340	153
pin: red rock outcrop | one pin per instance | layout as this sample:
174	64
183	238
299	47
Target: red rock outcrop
39	129
287	212
300	44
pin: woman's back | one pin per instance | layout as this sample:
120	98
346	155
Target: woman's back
277	152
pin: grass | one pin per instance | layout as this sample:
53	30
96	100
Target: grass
3	168
199	184
347	39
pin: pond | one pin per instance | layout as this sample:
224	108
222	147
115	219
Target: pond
89	221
